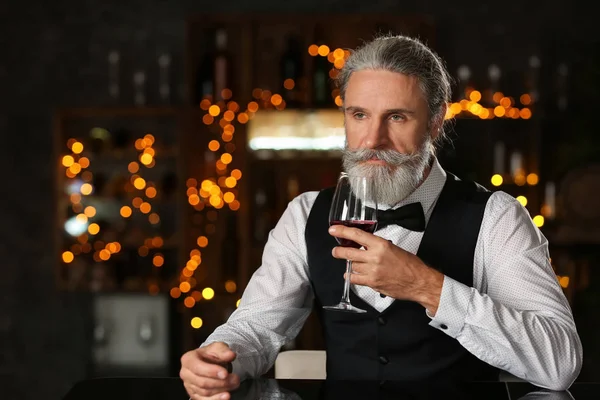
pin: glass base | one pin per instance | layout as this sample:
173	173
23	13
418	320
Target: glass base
345	307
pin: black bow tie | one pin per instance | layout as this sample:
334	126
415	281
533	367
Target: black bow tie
410	216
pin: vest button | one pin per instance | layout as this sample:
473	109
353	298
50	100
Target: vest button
381	321
383	296
444	326
383	360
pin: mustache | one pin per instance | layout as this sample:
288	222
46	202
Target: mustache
391	157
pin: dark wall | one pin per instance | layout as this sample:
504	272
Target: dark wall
54	54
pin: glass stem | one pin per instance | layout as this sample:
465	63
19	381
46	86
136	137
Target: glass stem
346	295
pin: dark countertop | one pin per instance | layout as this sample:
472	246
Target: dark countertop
172	389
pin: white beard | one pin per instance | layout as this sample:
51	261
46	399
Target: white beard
397	179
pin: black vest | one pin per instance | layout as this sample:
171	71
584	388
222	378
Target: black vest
398	344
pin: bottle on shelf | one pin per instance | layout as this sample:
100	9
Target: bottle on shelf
321	87
215	70
292	71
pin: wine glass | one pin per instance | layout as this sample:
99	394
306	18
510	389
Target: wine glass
354	205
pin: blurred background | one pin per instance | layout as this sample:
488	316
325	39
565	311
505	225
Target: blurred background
149	147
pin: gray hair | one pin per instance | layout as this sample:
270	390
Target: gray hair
408	56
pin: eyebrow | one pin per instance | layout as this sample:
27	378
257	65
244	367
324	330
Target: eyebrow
389	111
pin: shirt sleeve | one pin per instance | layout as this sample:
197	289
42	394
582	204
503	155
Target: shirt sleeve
517	317
277	299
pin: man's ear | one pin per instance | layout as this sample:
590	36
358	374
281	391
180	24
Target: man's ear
438	122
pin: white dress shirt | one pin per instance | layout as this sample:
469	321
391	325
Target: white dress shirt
515	317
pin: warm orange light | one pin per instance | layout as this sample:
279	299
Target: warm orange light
242	118
139	183
323	50
75	168
533	179
196	295
125	211
525	99
146	158
67	161
525	113
546	211
230	182
230	286
149	139
68	257
133	167
313	50
77	147
498	96
196	322
339	63
214	110
205	104
338	101
89	211
213	145
253	106
226	158
202	241
158	260
257	93
499	111
228	197
150	192
475	95
520	179
175	292
233	106
226	94
237	174
93	229
215	190
505	102
208	293
208	119
234	205
497	180
288	84
137	202
228	116
194	199
184	287
139	144
145	207
104	254
538	220
276	99
189	302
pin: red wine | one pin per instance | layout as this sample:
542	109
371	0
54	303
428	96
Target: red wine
367	226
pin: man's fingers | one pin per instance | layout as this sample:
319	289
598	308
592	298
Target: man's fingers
205	382
218	396
361	280
228	385
219	352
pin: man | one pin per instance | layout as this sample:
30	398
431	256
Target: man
464	292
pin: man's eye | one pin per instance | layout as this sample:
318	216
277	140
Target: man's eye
397	117
359	115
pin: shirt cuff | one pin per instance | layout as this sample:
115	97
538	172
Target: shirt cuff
452	310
